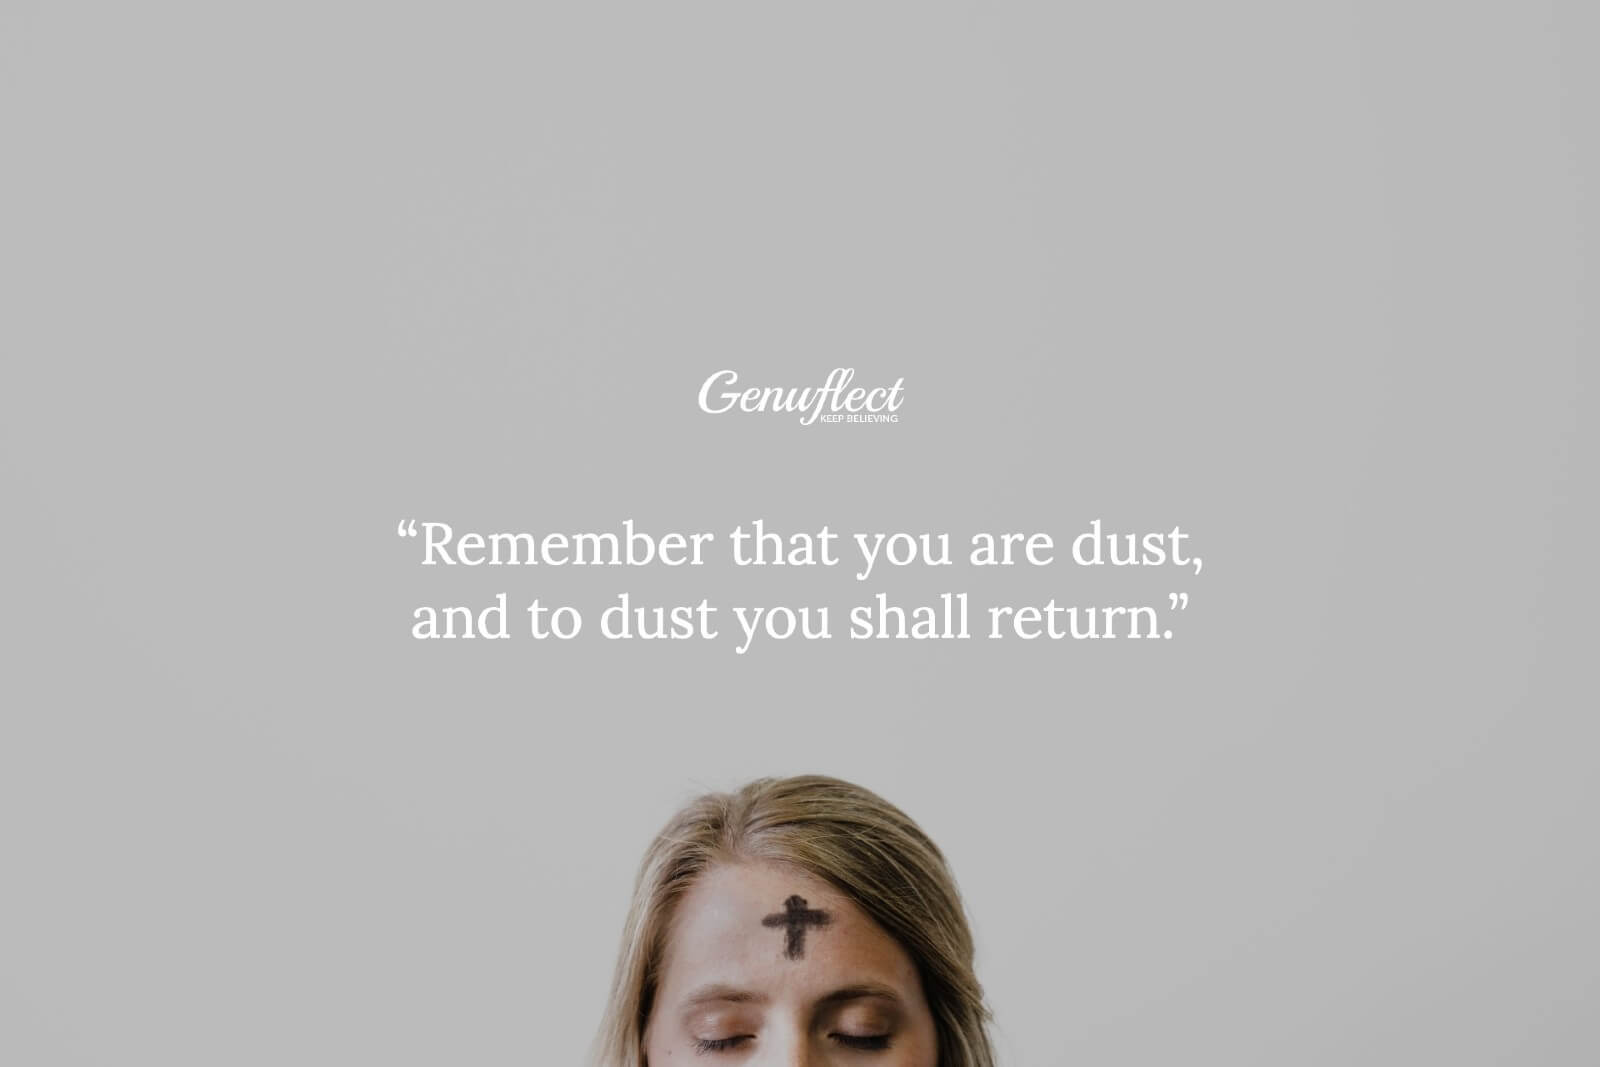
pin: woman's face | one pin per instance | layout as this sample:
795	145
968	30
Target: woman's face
764	965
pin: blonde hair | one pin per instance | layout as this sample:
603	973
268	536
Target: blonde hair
845	835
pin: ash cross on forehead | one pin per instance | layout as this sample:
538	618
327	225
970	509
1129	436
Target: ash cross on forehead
795	917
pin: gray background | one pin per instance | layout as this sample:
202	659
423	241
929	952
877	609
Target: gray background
1315	281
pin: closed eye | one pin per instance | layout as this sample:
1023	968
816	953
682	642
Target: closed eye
862	1041
720	1044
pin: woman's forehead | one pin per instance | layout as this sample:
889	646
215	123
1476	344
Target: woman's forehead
760	924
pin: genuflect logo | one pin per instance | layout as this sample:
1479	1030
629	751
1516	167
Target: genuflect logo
832	401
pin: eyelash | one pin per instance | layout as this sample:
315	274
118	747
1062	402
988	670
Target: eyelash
723	1044
718	1044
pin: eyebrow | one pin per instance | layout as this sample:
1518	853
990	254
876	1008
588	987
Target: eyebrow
724	993
863	991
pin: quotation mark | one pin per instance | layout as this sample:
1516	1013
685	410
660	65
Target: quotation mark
407	528
1179	602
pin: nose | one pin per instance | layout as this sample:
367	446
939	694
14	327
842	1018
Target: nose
793	1048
